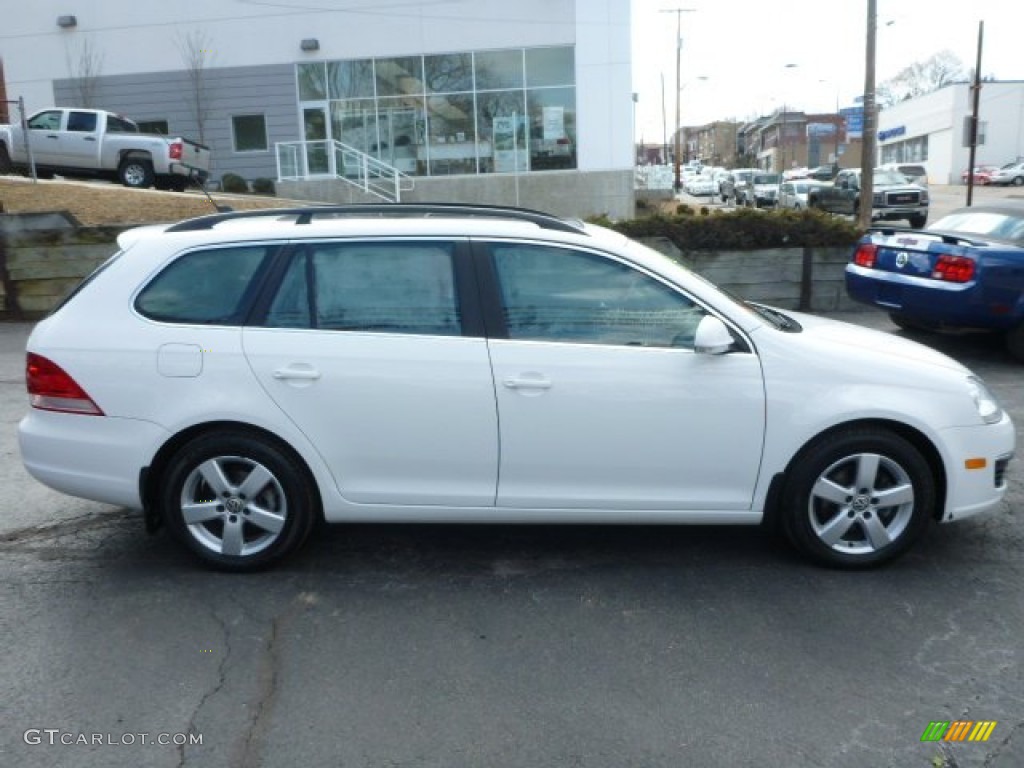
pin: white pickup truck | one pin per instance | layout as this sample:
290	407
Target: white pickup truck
96	143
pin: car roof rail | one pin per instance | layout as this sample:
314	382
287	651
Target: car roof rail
388	210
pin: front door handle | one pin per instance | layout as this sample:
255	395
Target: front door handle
302	374
520	383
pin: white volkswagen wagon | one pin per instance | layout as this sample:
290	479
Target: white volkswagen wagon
241	375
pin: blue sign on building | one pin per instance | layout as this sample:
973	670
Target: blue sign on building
854	121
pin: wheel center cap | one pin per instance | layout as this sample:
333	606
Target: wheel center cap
235	505
861	503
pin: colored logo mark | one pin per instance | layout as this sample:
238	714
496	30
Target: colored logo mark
958	730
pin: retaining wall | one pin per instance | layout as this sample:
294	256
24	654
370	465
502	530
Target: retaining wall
39	268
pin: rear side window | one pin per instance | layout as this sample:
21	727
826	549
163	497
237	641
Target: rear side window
209	287
386	287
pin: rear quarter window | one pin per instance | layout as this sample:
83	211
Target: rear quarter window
209	287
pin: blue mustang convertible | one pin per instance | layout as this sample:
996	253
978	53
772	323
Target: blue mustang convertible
964	272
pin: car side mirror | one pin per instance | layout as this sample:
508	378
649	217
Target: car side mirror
712	337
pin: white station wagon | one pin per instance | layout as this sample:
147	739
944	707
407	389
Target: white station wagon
241	375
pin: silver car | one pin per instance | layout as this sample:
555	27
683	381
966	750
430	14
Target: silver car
1011	173
793	193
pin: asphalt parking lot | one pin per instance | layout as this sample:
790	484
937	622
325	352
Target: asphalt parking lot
447	646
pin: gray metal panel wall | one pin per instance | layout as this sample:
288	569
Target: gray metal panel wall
267	90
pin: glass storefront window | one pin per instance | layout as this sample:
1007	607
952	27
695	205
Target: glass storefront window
350	79
499	69
399	76
312	81
552	128
451	73
501	122
452	132
550	66
459	113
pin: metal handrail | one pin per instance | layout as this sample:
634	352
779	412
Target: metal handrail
305	160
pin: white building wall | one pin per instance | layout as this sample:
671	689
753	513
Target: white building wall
604	90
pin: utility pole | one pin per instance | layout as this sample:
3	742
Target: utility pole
677	182
867	160
973	125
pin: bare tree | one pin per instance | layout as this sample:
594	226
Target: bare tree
84	70
923	77
196	53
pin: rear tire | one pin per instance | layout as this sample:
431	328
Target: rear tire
136	173
6	166
857	498
1018	181
237	500
912	324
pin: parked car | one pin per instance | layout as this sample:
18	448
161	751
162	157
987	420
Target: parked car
914	173
982	174
92	142
240	376
700	186
762	191
793	194
734	186
823	172
965	271
1011	173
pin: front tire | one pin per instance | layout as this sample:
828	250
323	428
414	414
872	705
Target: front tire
136	173
237	500
857	498
6	166
918	222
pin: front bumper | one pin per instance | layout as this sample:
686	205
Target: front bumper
972	492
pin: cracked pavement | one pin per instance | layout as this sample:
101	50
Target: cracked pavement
447	646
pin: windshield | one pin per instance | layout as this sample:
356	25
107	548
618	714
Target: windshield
1002	225
890	177
767	178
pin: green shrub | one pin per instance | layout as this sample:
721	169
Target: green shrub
233	183
743	229
263	186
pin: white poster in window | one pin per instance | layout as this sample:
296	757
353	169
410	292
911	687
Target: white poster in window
554	123
506	155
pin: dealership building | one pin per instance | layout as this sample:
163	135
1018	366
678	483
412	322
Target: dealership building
931	130
526	103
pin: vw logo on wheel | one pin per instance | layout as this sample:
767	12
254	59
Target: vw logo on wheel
902	258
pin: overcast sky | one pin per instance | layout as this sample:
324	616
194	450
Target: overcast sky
743	47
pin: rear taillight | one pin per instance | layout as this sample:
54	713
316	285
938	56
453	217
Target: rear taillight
866	255
175	150
953	269
50	388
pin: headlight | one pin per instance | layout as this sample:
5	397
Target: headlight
986	403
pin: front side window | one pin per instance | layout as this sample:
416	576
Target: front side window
209	287
46	121
389	287
562	295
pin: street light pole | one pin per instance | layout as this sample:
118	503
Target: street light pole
677	180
